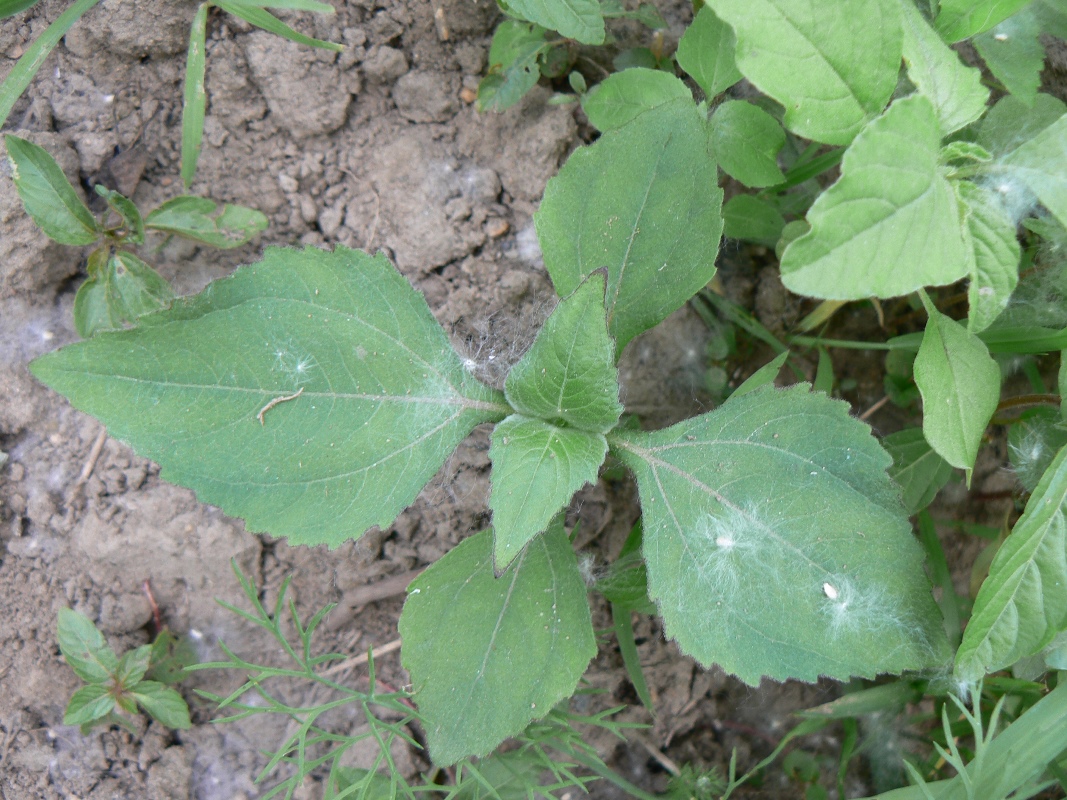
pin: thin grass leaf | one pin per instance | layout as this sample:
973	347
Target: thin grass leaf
291	5
195	103
262	18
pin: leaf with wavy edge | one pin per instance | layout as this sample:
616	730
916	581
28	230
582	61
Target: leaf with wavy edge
489	655
777	545
1022	604
313	393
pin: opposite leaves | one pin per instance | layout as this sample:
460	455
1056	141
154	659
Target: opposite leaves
489	655
817	575
336	398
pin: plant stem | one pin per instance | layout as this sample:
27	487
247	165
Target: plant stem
1025	400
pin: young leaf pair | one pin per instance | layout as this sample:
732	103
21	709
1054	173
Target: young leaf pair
114	684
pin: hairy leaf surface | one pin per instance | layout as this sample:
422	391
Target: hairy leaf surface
993	254
960	386
642	201
312	394
624	95
746	140
936	70
1022	604
776	543
706	52
1041	163
537	468
47	195
833	66
890	225
489	655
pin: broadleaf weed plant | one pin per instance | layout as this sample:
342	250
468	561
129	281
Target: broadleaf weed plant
775	538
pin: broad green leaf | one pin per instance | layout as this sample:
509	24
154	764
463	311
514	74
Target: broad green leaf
833	66
961	19
918	470
642	201
936	70
335	397
132	228
960	386
163	704
890	225
645	13
746	140
9	8
537	468
20	76
133	665
513	69
831	543
706	52
1014	55
1052	15
194	104
88	704
262	18
92	312
568	376
83	647
200	219
489	655
47	195
1033	442
624	95
993	254
752	219
573	19
967	152
1022	604
1061	384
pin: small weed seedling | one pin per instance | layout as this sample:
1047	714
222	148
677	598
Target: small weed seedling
117	686
121	287
775	538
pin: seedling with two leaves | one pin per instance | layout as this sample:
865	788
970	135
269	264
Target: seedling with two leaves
117	686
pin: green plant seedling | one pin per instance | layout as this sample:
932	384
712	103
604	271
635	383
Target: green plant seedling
121	287
115	686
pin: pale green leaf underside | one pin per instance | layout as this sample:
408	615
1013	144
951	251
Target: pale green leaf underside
489	655
574	19
994	255
312	394
568	376
890	225
706	52
537	468
1041	163
960	386
936	70
820	576
642	201
918	470
746	140
1022	604
84	647
832	65
1014	55
624	95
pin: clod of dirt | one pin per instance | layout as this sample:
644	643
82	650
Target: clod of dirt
307	96
235	101
427	96
384	65
130	29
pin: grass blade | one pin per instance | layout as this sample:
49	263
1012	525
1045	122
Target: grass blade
195	104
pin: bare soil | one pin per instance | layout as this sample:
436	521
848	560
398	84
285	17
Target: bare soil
377	147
